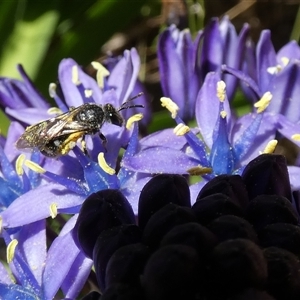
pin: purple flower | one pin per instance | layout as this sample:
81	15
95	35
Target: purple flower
39	273
277	73
49	187
22	102
227	143
184	63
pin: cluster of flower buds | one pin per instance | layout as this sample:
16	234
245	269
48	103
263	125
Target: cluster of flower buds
239	240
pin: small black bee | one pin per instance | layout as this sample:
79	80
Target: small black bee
57	136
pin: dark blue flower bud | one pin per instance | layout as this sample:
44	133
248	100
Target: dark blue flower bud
193	235
110	241
211	207
159	191
252	294
172	273
229	185
126	265
163	221
100	211
232	227
282	235
269	209
236	265
283	274
267	174
120	291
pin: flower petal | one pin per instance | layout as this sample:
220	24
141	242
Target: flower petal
161	160
60	259
32	244
34	205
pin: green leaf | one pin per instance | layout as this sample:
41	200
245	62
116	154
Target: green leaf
28	44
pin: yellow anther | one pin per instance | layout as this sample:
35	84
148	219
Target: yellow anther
285	60
103	164
198	170
274	70
19	164
270	148
52	90
171	106
75	75
88	93
223	114
54	111
34	166
264	102
10	251
296	137
101	73
181	129
221	90
134	118
53	210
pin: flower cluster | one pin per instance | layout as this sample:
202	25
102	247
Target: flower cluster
147	234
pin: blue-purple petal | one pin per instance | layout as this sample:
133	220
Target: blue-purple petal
72	95
77	276
15	291
266	58
60	258
290	50
32	244
35	204
161	160
124	75
171	68
285	89
29	115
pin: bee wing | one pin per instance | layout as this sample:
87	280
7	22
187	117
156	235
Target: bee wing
32	137
40	134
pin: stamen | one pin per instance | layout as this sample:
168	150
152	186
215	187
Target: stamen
103	164
223	114
101	73
88	93
53	210
75	75
264	102
274	70
52	90
181	129
221	90
270	148
54	111
10	251
199	171
19	164
134	118
171	106
34	166
285	60
296	137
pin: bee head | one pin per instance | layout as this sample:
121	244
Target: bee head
112	115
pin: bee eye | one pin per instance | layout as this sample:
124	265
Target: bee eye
116	119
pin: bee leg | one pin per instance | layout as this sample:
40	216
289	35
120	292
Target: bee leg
83	146
104	140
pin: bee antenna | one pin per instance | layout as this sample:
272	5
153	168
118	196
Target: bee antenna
126	106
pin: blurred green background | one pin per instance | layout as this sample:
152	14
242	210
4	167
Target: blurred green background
38	34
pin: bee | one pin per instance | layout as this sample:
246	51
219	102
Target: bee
58	135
